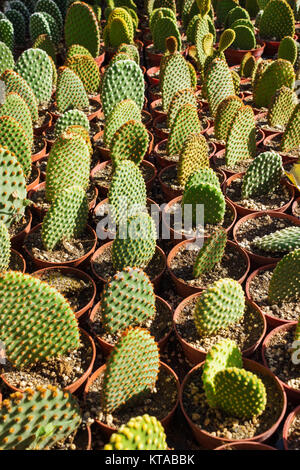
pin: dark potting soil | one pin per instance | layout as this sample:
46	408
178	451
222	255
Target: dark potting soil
78	292
158	327
59	371
272	201
32	177
157	403
240	167
246	332
38	144
66	250
278	355
258	227
297	210
104	267
217	423
146	119
294	434
16	263
232	265
103	176
18	226
43	119
96	126
50	134
259	288
275	143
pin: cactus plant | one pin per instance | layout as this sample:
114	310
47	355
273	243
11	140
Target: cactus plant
277	21
235	14
284	240
81	27
43	23
291	136
223	8
140	433
225	115
131	370
70	92
21	7
175	76
241	143
193	156
122	112
285	281
131	50
70	118
15	83
281	106
30	413
15	107
135	242
130	142
180	98
244	38
53	329
288	49
203	175
46	44
263	175
19	26
211	253
163	28
247	65
50	7
119	28
185	123
14	138
6	58
7	33
218	84
4	248
87	70
165	12
128	299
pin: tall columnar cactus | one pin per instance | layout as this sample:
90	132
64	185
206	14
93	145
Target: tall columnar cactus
15	83
46	44
7	33
241	143
50	7
135	242
130	142
282	106
277	21
19	25
66	218
72	117
140	433
263	175
119	28
6	58
68	164
285	281
211	253
284	240
81	27
225	115
122	112
13	137
122	80
15	107
127	190
38	418
163	28
180	98
4	248
274	76
291	136
87	70
193	156
220	305
70	92
185	123
128	299
174	76
53	327
35	67
218	84
131	370
288	49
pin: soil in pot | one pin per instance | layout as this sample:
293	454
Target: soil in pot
60	371
293	437
220	425
278	353
157	403
219	162
37	145
16	262
66	250
232	265
274	144
279	197
258	290
246	332
93	107
43	120
103	176
16	227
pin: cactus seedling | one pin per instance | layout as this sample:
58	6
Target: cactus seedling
211	253
263	175
285	281
285	240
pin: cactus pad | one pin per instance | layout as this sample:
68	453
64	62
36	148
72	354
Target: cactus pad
123	112
72	117
211	253
130	142
81	27
277	21
15	107
174	77
185	123
70	92
285	281
241	143
193	156
4	248
13	137
263	175
225	115
218	84
291	136
87	70
15	83
181	97
285	240
282	106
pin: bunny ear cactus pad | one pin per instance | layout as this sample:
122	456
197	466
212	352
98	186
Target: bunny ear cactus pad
277	21
185	123
77	49
39	25
220	305
68	164
81	27
211	253
201	31
15	107
7	33
72	117
50	7
222	355
70	92
285	240
241	143
128	299
4	248
21	7
66	218
247	65
135	242
208	195
223	8
35	67
6	58
244	38
204	175
131	370
282	106
288	50
46	44
193	156
291	136
123	112
285	281
130	142
176	76
17	20
80	130
218	84
15	83
225	115
131	51
29	413
163	29
87	70
263	175
122	80
166	12
236	13
119	32
140	433
180	98
13	137
35	320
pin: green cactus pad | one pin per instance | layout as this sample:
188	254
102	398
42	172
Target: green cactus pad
263	175
131	50
291	135
166	12
7	33
50	7
4	248
119	33
38	418
15	107
211	253
39	25
130	142
241	143
21	7
204	175
193	156
70	92
123	15
180	98
77	49
236	13
185	123
285	240
282	106
127	300
208	195
87	70
81	27
18	21
201	30
244	38
288	49
131	370
72	117
6	58
247	65
277	21
225	115
123	112
285	281
218	84
34	330
13	137
163	29
15	83
46	44
175	76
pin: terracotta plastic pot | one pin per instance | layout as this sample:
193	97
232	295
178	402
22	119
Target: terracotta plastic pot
41	129
21	259
18	239
295	206
35	157
74	386
155	109
35	174
194	355
259	259
152	58
246	446
286	158
41	264
288	422
100	59
107	347
107	430
242	211
208	441
271	47
155	281
235	56
153	80
292	394
79	275
183	288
